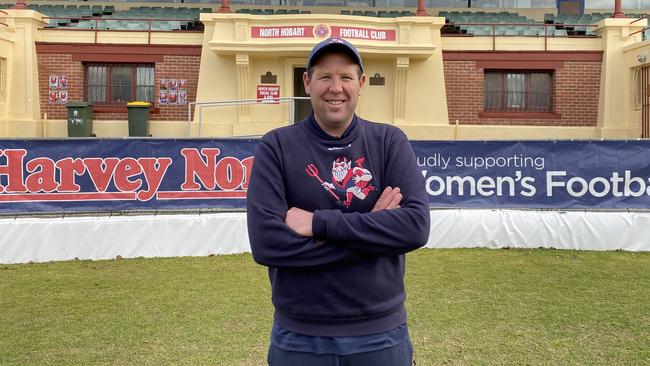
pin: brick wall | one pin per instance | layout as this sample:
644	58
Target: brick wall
575	89
172	67
59	64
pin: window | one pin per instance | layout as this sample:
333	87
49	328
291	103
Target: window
117	84
518	91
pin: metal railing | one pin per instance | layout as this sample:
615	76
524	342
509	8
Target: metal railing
199	106
499	30
100	24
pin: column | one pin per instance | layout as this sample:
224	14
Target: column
243	85
401	78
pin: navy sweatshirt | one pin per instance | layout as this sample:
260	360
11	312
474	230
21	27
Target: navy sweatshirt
348	279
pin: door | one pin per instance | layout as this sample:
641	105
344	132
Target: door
302	108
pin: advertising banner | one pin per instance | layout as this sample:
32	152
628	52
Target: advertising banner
123	174
536	174
106	175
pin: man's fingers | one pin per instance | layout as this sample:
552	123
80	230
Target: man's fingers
395	199
382	200
389	199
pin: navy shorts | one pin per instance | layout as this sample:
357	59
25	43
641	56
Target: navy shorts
399	355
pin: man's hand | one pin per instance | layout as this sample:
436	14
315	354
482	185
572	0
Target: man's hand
299	221
389	199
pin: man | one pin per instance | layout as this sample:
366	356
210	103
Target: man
334	202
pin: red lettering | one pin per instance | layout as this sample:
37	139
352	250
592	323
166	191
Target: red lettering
195	166
42	177
68	169
248	169
101	171
125	169
154	171
229	173
13	170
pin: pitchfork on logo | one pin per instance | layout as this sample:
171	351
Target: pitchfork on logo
312	171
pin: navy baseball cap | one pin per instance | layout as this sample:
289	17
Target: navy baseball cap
330	45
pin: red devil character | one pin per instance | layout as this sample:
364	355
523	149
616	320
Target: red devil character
349	180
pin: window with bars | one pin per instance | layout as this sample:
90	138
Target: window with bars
117	84
518	91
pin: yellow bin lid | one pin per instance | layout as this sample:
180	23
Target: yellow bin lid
138	104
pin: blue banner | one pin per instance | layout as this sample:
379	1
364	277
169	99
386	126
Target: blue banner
107	175
536	174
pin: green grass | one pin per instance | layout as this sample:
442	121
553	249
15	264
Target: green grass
466	307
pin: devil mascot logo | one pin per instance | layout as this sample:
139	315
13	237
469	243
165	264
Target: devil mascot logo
347	181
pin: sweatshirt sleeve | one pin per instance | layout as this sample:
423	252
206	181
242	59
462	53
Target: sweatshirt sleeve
273	243
385	232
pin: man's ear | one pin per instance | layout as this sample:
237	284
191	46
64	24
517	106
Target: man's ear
362	82
306	81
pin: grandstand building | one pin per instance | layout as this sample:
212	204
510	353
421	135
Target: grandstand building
492	71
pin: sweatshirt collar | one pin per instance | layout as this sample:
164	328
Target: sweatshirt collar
350	131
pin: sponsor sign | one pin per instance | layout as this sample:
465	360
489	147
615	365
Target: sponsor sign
536	174
103	175
108	175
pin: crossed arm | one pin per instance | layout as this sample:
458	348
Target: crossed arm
300	220
282	236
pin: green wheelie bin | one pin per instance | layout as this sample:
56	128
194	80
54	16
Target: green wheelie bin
80	119
138	118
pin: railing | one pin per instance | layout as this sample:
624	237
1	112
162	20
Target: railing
642	30
95	23
5	13
499	30
199	106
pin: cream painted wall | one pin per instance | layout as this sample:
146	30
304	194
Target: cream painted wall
6	57
22	117
484	43
635	57
376	101
117	37
614	115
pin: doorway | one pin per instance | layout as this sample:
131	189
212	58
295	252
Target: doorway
302	108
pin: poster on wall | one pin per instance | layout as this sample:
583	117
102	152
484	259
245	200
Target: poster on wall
163	87
63	82
54	81
53	96
63	96
182	91
58	92
182	97
172	91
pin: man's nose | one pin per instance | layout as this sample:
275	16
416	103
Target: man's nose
336	85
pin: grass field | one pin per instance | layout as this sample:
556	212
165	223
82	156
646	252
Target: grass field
466	307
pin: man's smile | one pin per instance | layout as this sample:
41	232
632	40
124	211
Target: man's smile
335	102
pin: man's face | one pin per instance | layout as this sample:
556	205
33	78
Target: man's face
334	88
